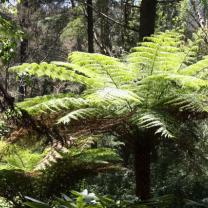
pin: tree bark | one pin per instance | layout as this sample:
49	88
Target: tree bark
127	14
78	39
103	7
142	167
90	22
23	20
147	18
23	12
8	99
72	3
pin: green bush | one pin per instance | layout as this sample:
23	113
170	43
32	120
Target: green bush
5	204
81	200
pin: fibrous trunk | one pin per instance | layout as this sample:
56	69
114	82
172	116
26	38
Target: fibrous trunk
142	167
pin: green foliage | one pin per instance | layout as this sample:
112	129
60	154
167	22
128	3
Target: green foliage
120	185
157	87
3	129
90	200
4	203
15	157
149	81
31	172
82	200
75	28
23	159
169	16
50	103
62	173
159	53
83	157
9	37
14	184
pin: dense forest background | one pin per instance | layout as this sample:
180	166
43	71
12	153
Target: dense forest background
104	97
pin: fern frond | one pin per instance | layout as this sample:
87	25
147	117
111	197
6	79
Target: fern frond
158	53
193	102
15	157
79	108
111	71
93	70
199	69
114	97
99	155
183	81
77	114
154	120
30	102
101	102
49	70
77	158
36	106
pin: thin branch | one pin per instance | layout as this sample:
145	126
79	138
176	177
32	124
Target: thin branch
111	19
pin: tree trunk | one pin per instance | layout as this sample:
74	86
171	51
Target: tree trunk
103	7
72	3
147	18
142	167
127	13
24	23
90	26
23	50
23	12
8	99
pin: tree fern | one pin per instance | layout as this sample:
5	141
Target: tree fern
153	77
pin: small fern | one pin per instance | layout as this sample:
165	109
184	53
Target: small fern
15	157
99	157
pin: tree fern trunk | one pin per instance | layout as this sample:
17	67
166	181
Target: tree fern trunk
142	167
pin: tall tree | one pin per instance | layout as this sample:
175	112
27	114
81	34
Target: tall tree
147	18
23	14
73	3
90	23
103	7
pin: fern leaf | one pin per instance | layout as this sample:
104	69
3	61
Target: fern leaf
77	114
156	121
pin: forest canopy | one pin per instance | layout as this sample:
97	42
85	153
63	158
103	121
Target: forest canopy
103	103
